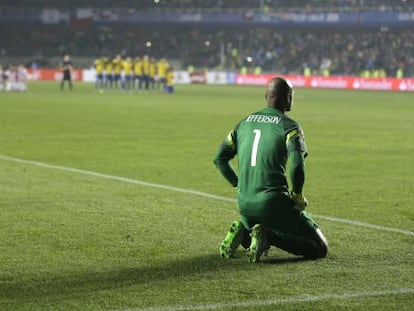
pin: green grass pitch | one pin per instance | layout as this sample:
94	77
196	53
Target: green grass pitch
76	240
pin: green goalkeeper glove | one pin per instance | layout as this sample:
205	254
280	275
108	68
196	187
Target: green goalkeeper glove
300	200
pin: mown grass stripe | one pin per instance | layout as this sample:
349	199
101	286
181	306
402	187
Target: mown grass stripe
192	192
277	301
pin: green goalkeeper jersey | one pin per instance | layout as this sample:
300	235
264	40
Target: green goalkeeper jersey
262	142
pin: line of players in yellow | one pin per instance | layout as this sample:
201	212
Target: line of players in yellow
139	74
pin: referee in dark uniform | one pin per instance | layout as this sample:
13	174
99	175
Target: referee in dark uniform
66	67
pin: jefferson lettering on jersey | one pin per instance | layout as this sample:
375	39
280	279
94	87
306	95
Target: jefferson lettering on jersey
263	119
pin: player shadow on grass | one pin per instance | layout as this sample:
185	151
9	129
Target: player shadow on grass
271	259
89	281
284	260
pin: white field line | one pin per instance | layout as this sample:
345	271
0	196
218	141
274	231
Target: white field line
250	303
277	301
192	192
42	137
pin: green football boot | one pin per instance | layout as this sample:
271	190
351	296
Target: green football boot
233	239
259	244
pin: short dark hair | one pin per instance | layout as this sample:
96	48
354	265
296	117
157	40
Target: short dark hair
277	91
280	88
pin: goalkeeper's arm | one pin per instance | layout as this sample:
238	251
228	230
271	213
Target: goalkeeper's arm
297	178
296	156
222	160
297	170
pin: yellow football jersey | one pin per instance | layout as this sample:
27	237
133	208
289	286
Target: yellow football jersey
99	65
152	69
127	66
138	68
145	66
117	65
162	66
108	67
170	78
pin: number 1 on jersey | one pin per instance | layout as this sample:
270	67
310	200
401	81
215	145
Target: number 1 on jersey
257	134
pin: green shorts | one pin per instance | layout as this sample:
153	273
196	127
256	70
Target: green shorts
277	213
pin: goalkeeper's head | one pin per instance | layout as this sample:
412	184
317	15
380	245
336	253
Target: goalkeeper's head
279	94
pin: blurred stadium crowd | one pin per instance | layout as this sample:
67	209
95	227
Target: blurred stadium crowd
373	51
341	52
341	5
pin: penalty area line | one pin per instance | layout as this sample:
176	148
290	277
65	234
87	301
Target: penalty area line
277	301
190	191
117	178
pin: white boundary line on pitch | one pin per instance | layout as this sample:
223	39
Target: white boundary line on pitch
75	136
277	301
193	192
251	303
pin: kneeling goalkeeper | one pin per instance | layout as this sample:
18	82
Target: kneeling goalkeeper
270	214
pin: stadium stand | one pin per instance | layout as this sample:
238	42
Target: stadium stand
339	50
341	5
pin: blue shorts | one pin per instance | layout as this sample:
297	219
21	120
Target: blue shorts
169	89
